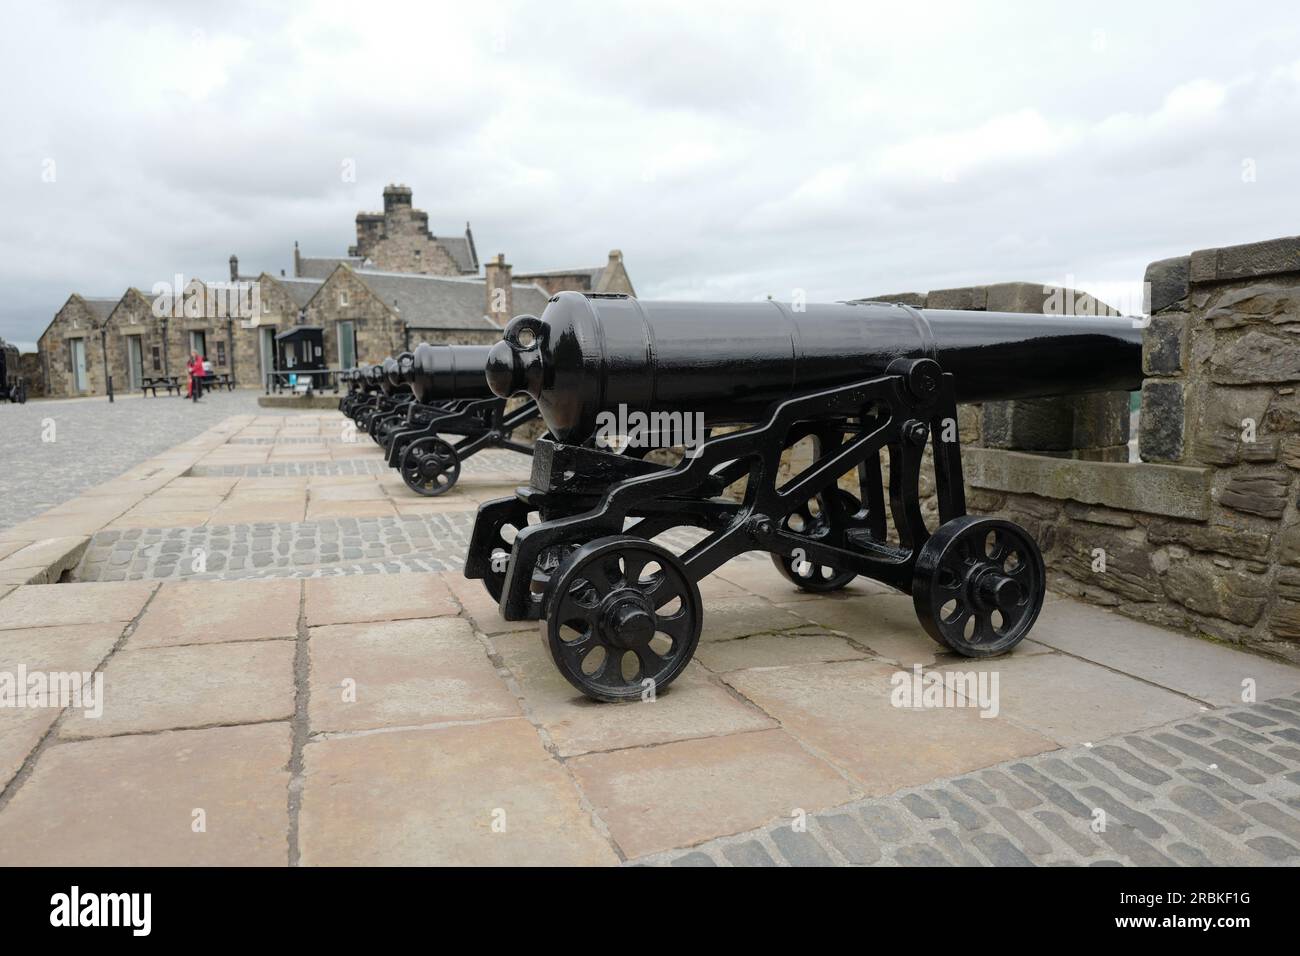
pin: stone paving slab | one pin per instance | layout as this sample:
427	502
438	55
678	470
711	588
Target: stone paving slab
834	708
198	685
402	673
138	800
483	793
186	612
654	798
38	606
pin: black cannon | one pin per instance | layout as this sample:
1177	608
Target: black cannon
12	386
451	398
390	394
574	548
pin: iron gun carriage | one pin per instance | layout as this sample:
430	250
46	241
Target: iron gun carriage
849	382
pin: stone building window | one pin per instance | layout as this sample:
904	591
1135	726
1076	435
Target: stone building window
156	352
343	297
221	353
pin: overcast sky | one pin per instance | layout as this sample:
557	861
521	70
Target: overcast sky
730	151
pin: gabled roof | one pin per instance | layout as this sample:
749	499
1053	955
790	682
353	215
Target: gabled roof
445	302
320	267
461	251
300	290
101	306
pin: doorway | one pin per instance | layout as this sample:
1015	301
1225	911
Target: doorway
77	357
199	343
347	345
267	352
134	362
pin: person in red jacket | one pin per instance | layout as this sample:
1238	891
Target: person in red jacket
195	368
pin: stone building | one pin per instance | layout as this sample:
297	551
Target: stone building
367	315
72	347
611	277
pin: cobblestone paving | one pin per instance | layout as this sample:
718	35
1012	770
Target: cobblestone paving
95	441
1221	789
321	548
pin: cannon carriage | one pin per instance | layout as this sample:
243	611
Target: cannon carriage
577	550
12	387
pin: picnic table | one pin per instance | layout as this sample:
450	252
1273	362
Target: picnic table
152	383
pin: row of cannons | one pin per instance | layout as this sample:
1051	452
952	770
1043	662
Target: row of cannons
579	548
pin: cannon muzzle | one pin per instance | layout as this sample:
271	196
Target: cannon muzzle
590	354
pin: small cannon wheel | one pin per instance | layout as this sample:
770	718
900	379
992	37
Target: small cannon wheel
622	615
978	585
829	521
430	466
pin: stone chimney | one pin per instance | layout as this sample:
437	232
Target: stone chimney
500	292
234	268
297	265
396	196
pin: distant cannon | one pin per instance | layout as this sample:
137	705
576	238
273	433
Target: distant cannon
850	380
449	397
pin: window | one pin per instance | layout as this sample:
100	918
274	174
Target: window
221	353
266	306
157	358
343	297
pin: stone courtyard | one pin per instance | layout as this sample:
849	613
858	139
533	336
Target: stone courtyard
296	673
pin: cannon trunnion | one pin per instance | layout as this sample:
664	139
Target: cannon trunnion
578	547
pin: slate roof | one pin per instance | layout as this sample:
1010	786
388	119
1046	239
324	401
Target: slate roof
299	289
462	251
320	267
102	306
445	302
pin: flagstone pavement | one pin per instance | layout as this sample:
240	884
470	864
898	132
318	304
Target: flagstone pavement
296	673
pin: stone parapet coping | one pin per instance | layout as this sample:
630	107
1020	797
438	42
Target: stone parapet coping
1175	491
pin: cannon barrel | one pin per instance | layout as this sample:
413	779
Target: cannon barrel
442	372
588	354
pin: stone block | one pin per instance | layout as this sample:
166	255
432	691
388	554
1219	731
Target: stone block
1255	304
1257	357
1161	423
1258	258
972	298
1169	490
1100	421
1034	424
1263	495
1128	567
205	612
1164	344
1208	589
1027	297
1166	284
1219	538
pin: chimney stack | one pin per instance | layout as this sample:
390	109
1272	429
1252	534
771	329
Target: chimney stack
500	290
234	268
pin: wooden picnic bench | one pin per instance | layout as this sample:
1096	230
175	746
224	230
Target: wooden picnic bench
151	384
219	380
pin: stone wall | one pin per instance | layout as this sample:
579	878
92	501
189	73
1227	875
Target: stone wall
33	374
344	297
1201	535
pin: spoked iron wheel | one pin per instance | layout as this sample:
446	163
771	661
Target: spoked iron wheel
979	584
430	466
821	518
622	616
